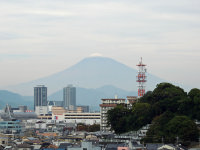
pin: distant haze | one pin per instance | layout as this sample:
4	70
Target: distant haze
92	72
39	38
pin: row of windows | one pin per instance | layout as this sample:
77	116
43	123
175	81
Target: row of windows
2	123
10	127
45	114
47	118
113	102
83	115
81	118
107	108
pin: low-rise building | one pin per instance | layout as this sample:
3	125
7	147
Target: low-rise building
61	114
86	118
85	145
41	110
4	139
24	147
12	126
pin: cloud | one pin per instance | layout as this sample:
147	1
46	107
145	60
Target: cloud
51	13
125	30
9	36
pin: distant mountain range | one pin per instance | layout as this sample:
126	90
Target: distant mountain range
14	99
90	97
92	72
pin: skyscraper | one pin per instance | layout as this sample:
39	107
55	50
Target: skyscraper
40	96
69	97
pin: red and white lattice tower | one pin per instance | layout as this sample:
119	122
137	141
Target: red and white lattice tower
141	78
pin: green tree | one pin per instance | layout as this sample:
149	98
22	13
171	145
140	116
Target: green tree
184	128
117	119
185	107
167	90
157	128
169	128
142	114
194	93
169	109
164	97
94	127
147	98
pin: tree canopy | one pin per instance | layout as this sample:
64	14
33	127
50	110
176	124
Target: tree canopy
168	108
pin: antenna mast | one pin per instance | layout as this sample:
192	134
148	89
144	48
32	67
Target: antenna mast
141	78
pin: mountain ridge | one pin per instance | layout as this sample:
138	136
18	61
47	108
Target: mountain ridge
14	99
91	72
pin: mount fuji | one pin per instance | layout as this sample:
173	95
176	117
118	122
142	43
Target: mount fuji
91	72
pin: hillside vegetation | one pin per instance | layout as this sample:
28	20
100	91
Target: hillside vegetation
169	109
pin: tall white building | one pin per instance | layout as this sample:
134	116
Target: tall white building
106	105
69	97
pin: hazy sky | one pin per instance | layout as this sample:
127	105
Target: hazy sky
41	37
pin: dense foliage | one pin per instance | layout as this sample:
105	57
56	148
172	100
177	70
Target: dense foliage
88	128
170	111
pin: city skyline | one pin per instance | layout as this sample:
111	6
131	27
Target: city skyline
40	38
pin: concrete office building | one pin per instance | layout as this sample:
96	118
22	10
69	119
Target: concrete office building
69	97
40	96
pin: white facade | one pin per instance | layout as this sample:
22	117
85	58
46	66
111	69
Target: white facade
61	114
41	110
106	105
58	117
36	123
86	118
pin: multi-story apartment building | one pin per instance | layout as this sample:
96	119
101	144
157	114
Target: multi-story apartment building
131	100
106	105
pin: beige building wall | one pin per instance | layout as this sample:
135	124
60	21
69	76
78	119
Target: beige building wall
58	113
